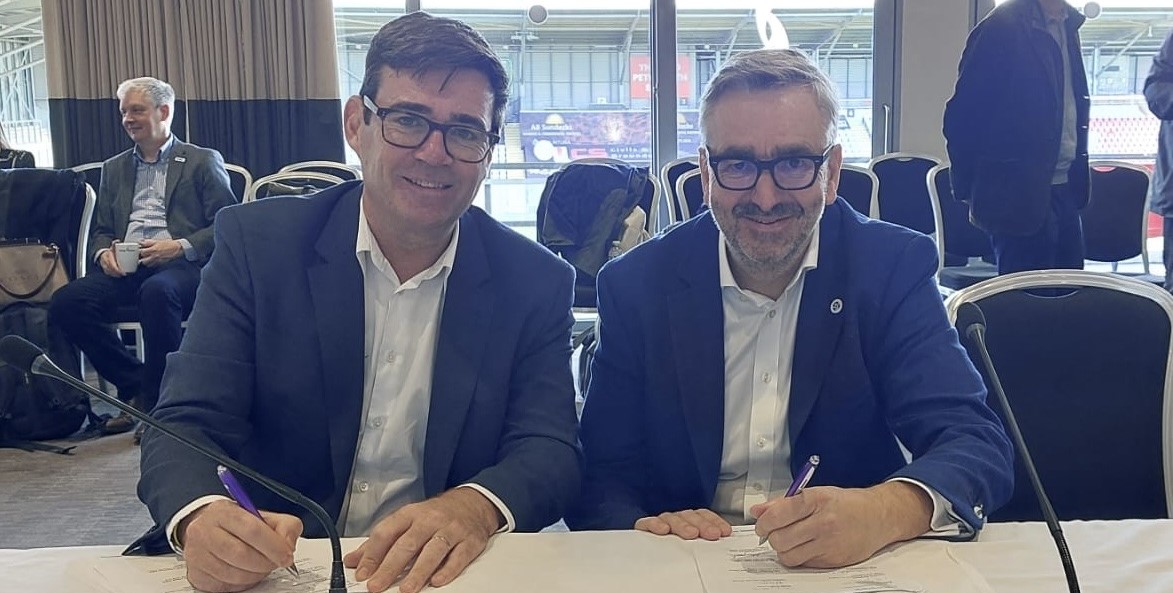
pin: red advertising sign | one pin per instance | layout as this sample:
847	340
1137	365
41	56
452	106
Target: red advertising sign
641	77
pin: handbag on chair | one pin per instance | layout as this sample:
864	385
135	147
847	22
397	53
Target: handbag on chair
30	272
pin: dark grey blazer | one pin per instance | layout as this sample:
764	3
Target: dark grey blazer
197	187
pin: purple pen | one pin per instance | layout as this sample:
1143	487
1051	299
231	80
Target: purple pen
804	476
800	482
237	493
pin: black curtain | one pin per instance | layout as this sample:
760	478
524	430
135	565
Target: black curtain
265	135
90	130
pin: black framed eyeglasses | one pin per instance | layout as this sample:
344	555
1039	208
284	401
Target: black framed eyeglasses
790	172
410	130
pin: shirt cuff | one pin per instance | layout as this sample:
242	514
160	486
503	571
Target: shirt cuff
189	252
193	506
944	522
98	255
509	523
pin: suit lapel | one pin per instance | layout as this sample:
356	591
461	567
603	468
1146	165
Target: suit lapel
176	161
698	344
820	321
128	171
336	287
460	348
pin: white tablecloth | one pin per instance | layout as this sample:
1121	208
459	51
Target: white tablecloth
1110	557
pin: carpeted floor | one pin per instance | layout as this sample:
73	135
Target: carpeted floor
86	498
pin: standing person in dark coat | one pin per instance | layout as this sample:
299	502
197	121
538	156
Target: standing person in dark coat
1158	91
1016	128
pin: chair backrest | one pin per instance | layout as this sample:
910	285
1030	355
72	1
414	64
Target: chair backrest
903	197
691	193
1085	359
340	170
1114	218
670	173
290	183
957	237
82	257
859	186
93	173
241	180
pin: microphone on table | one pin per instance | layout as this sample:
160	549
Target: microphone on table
26	356
971	318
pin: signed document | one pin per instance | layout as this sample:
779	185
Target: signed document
167	574
737	564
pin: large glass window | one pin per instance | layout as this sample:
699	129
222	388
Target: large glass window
24	95
1118	48
836	33
581	75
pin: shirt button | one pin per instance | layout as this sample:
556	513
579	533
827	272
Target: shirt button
390	358
773	313
378	422
762	442
757	486
765	377
363	487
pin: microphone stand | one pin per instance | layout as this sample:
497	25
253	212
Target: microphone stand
976	332
44	367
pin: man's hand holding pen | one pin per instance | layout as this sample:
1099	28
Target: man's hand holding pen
828	527
226	548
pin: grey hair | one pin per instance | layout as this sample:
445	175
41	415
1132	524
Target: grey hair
159	92
773	69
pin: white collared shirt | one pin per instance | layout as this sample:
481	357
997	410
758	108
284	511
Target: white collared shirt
759	346
759	339
402	320
402	325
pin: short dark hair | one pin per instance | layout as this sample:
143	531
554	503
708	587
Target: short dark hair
422	43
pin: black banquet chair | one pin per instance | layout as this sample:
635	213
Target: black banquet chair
1114	220
1084	358
903	198
860	187
965	251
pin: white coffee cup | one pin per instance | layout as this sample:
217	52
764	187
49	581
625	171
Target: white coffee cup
127	256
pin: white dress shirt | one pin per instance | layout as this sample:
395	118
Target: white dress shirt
759	360
402	320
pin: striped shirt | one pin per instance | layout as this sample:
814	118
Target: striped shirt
148	214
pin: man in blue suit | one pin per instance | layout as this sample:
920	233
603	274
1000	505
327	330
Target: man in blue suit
780	326
383	347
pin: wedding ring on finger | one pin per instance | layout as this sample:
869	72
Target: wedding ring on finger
443	539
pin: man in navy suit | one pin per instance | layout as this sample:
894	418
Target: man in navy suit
383	347
783	325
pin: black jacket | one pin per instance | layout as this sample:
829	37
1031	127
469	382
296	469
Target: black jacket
1004	123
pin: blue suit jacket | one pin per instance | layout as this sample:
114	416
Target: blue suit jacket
271	368
885	364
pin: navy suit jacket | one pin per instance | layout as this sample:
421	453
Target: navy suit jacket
875	360
271	368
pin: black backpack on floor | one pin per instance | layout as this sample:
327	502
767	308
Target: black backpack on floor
34	408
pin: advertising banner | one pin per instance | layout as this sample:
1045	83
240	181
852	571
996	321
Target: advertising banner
558	137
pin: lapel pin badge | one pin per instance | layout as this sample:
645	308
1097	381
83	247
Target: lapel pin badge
180	159
836	306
